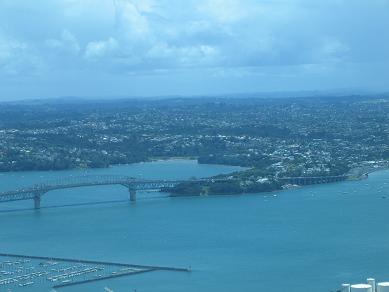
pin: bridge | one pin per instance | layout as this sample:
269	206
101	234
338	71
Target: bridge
133	185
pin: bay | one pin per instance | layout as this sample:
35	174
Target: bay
308	239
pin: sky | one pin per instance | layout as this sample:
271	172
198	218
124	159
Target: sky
104	48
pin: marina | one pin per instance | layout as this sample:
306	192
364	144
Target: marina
20	271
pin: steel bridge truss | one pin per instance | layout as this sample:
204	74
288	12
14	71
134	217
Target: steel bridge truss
35	192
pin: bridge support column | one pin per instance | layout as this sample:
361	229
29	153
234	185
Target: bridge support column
37	201
132	195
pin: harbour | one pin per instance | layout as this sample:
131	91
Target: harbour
264	236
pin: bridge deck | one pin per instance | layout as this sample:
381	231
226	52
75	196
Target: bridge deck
35	192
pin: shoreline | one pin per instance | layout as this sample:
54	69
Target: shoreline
369	170
268	193
173	158
95	168
151	160
363	174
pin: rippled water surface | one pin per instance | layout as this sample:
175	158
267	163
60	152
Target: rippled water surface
308	239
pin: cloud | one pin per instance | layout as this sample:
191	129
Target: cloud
132	19
9	48
184	56
100	49
333	50
225	11
150	35
236	38
67	43
16	57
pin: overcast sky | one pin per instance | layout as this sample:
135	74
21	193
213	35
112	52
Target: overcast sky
51	48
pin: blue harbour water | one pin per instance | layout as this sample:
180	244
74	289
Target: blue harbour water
310	239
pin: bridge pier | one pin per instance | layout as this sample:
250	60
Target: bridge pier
37	201
132	195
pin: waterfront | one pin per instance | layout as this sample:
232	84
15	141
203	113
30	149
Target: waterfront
307	239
